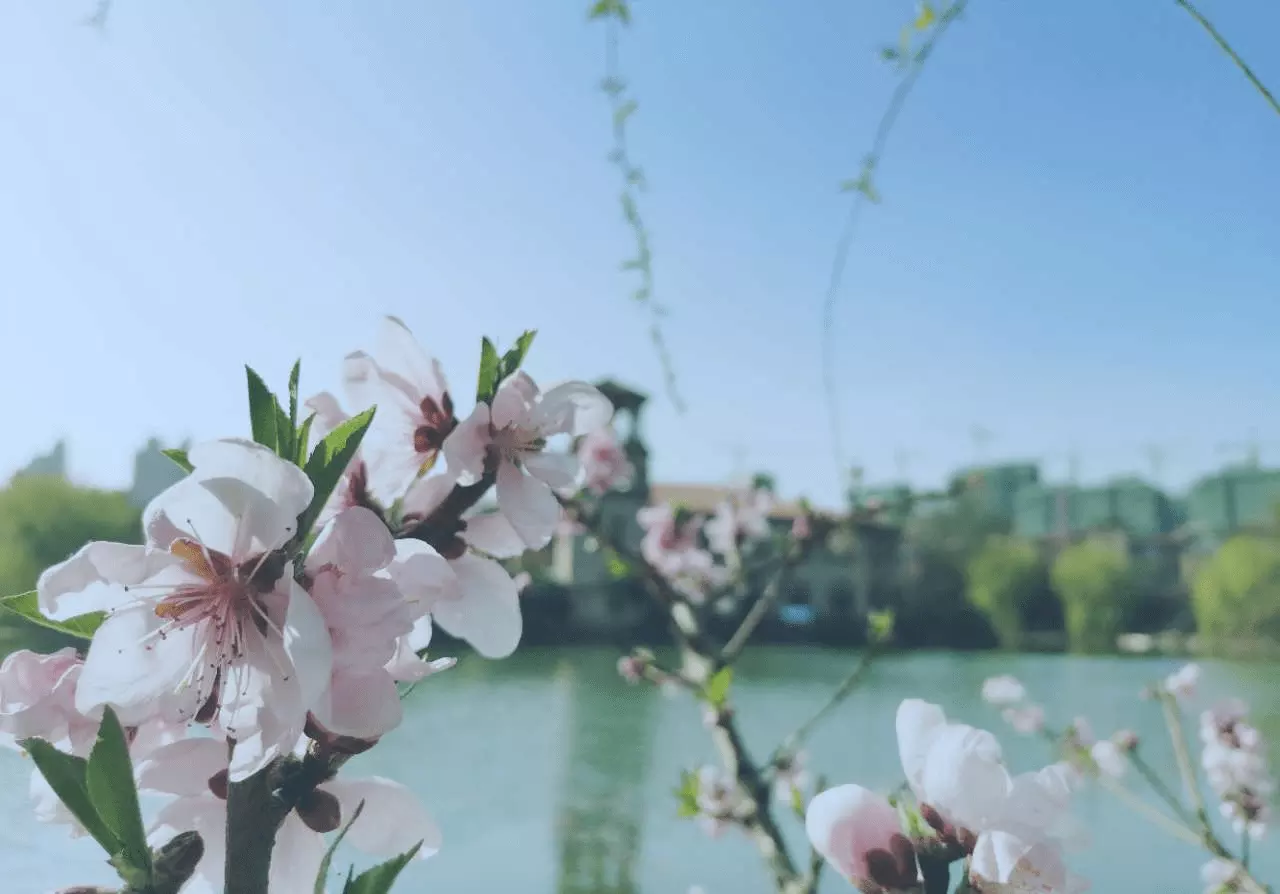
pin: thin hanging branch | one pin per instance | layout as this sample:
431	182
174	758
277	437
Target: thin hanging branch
863	187
1226	48
616	15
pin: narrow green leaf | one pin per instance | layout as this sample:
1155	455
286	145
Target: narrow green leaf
304	440
329	460
625	111
797	802
490	370
513	359
322	877
109	781
180	457
293	395
284	431
380	878
27	606
717	692
65	774
262	410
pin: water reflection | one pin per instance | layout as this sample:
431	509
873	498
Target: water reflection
599	822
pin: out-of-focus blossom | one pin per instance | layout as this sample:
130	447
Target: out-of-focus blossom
1025	719
718	798
670	545
1003	691
630	669
791	775
1109	758
1221	877
739	518
1234	757
1184	681
605	465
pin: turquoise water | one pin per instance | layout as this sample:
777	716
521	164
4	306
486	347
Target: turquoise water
549	775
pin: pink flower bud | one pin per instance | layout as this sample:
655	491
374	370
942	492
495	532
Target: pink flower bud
630	669
858	832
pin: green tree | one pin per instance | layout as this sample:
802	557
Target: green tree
1003	580
1094	580
43	520
1236	593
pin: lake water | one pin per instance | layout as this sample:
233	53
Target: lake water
549	775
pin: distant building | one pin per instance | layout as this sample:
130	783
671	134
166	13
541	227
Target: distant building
152	473
1234	499
836	586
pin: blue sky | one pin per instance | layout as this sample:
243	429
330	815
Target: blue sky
1076	249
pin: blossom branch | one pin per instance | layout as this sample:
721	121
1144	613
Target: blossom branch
764	603
846	687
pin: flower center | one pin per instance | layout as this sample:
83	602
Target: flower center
437	422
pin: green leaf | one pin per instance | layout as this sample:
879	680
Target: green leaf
618	567
490	371
880	626
180	457
925	18
512	360
262	410
27	606
625	111
329	460
687	795
604	8
293	395
717	692
797	802
890	54
304	440
109	781
284	431
65	774
380	878
323	875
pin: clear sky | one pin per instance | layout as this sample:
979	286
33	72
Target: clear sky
1077	247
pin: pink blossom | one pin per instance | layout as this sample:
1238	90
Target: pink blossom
739	518
670	546
1026	719
463	587
858	833
718	797
37	698
392	820
366	616
790	776
630	669
508	439
800	528
1183	682
604	461
415	410
353	488
1003	691
205	620
1234	757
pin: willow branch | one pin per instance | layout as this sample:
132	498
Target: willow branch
1232	54
845	241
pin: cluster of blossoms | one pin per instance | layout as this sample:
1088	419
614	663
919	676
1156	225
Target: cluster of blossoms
697	554
1011	831
1234	757
1081	747
253	626
718	800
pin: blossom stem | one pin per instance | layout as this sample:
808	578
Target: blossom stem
847	686
253	818
1157	784
763	604
1173	720
1133	802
